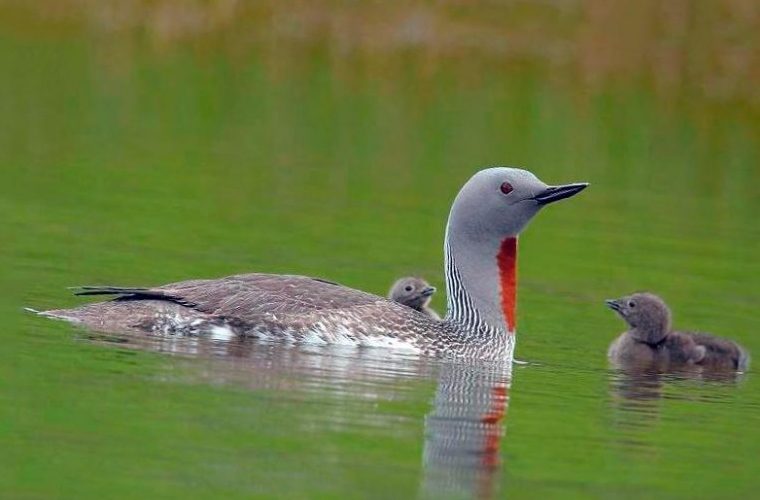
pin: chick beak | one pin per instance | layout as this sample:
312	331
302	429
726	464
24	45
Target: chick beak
613	304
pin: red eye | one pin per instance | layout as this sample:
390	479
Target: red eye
506	187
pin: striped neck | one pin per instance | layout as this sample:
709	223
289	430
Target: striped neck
482	293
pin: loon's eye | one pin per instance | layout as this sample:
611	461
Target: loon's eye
631	304
506	187
408	288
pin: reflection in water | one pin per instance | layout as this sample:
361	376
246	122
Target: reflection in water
268	365
637	396
631	386
463	429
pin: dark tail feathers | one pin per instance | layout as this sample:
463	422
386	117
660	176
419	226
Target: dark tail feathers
123	293
108	290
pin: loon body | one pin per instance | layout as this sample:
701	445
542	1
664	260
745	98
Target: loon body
480	246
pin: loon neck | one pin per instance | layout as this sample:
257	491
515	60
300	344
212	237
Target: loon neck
507	262
481	285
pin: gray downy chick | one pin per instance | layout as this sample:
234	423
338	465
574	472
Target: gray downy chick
415	293
651	341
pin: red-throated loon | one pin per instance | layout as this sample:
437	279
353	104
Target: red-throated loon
480	247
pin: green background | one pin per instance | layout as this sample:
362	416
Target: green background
146	142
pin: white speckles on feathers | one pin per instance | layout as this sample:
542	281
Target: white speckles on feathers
291	309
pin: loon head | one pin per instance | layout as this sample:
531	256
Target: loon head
498	203
487	215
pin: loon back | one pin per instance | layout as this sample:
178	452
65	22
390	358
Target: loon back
276	307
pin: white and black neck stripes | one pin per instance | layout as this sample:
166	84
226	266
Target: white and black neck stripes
461	309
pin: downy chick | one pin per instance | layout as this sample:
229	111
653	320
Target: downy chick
415	293
651	341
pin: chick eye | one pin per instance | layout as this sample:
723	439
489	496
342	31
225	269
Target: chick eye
506	187
631	304
408	288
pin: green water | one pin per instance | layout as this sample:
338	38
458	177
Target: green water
130	165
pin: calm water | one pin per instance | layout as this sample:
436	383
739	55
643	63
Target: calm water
131	162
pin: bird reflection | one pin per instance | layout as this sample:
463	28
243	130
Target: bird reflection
464	430
638	394
630	386
634	383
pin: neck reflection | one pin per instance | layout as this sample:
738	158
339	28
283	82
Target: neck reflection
464	430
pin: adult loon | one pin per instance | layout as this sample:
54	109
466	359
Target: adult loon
487	215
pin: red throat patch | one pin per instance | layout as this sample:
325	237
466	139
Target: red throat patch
507	261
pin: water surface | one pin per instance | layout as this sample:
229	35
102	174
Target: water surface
130	161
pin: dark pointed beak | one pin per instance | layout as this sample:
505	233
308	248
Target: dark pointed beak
556	193
613	304
428	291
